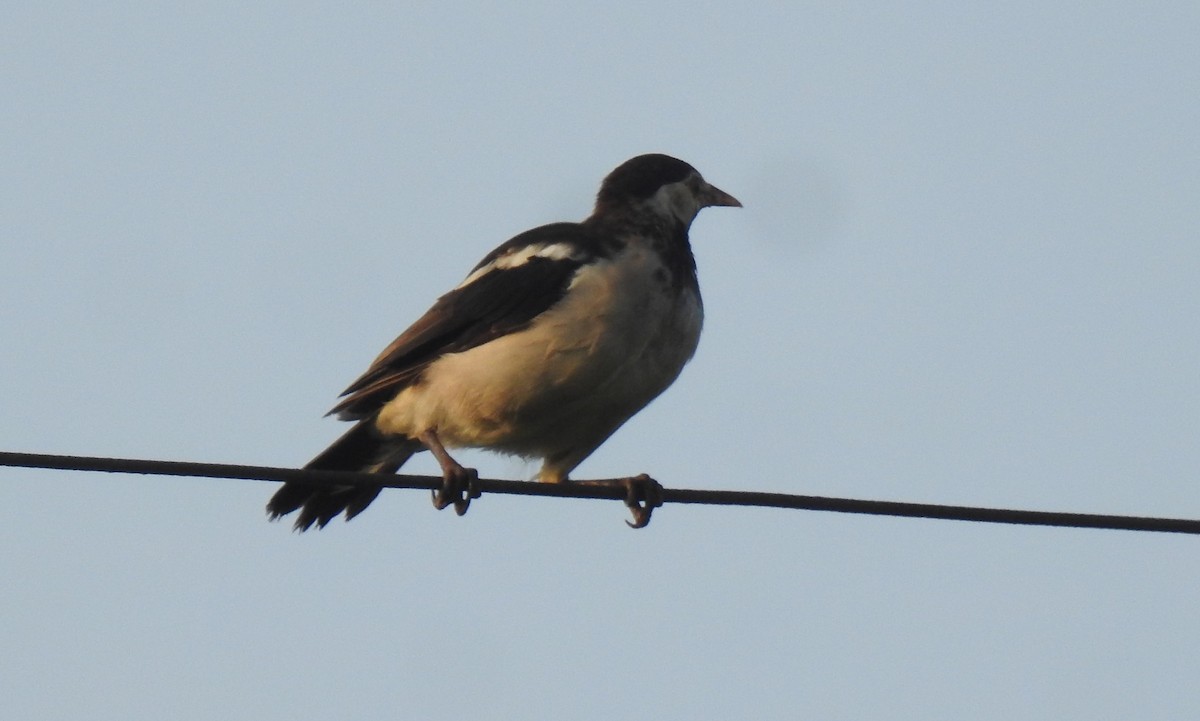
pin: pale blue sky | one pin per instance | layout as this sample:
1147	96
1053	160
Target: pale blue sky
966	272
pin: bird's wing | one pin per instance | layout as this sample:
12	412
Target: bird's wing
508	289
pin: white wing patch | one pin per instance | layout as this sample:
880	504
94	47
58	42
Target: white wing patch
519	257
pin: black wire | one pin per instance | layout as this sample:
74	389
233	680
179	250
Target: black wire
580	490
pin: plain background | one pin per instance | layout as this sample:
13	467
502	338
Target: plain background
966	272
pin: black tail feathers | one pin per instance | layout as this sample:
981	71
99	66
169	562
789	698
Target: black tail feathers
361	448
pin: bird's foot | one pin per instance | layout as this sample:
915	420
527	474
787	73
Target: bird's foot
459	486
642	495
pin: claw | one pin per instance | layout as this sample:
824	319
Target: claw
642	495
459	486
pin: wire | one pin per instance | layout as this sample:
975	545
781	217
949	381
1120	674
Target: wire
614	491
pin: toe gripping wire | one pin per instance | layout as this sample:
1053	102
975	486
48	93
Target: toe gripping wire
457	490
642	495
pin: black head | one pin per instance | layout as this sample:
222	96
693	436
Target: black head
641	177
638	182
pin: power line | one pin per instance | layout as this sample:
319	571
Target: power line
611	491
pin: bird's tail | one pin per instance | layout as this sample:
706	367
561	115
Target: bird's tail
361	448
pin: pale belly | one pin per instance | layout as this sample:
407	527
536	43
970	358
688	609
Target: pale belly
559	388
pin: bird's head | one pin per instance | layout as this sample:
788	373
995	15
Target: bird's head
660	185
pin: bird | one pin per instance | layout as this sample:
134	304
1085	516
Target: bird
548	345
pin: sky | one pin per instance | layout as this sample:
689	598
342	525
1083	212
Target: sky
965	272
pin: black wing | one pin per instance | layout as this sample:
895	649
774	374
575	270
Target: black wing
496	303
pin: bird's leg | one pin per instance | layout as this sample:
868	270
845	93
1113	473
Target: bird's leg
459	484
642	495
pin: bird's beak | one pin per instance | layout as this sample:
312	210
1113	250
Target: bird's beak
712	195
